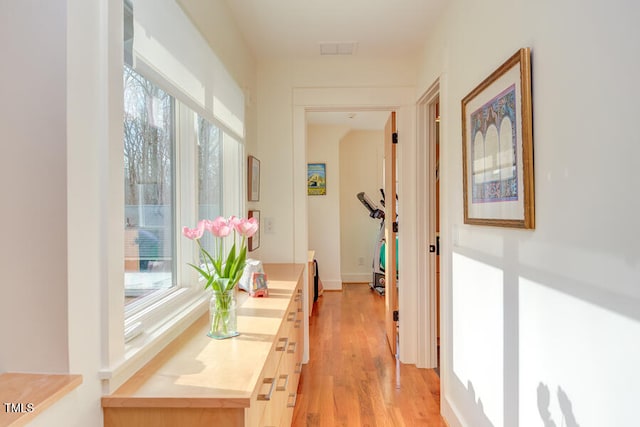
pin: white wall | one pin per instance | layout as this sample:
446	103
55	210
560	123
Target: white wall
340	230
323	146
54	130
361	165
277	82
542	326
33	173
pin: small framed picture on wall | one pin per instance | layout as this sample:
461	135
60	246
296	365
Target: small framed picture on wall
253	179
254	241
317	179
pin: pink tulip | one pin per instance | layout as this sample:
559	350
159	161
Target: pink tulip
194	233
234	221
219	227
247	227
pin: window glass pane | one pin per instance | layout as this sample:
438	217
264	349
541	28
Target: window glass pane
209	175
149	159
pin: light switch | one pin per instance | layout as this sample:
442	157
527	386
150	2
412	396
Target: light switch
268	225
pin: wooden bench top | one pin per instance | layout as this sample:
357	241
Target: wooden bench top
23	396
197	371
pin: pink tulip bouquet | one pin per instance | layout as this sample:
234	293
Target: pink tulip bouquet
222	273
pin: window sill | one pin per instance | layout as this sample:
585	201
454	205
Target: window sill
25	396
141	349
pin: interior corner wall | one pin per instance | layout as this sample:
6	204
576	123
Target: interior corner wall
540	326
361	165
33	218
323	146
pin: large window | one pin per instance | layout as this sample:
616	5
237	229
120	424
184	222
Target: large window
182	160
149	178
171	154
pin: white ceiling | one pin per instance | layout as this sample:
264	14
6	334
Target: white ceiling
361	120
296	28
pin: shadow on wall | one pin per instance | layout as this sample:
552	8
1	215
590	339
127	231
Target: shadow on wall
482	420
544	399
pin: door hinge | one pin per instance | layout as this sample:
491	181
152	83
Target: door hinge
394	138
395	227
396	315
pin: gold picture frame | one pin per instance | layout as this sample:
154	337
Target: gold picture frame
497	147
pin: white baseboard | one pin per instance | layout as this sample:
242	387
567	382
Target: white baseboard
357	277
331	285
449	414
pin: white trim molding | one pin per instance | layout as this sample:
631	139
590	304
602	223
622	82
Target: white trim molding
399	99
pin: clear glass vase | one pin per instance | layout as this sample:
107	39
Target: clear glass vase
223	314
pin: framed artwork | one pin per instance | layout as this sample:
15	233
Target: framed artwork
497	147
254	241
253	179
316	179
259	285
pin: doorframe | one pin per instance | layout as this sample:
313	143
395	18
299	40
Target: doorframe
401	100
426	227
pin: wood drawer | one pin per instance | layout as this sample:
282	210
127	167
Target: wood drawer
263	394
275	407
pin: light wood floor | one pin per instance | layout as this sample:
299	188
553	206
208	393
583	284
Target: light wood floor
352	379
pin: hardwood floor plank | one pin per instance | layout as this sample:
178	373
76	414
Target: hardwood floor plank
352	379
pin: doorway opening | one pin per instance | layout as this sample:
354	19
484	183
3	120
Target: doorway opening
360	99
349	146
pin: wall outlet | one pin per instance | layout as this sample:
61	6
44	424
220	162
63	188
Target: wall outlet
360	260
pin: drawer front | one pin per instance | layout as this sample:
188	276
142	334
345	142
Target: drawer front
278	384
275	407
264	393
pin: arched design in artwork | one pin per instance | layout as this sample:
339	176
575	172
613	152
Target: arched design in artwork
478	158
491	146
494	167
506	153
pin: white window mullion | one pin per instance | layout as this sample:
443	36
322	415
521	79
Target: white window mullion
187	197
233	171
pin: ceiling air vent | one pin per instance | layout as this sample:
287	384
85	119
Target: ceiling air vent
338	48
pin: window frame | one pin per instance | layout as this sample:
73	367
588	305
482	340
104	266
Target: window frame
136	334
137	312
